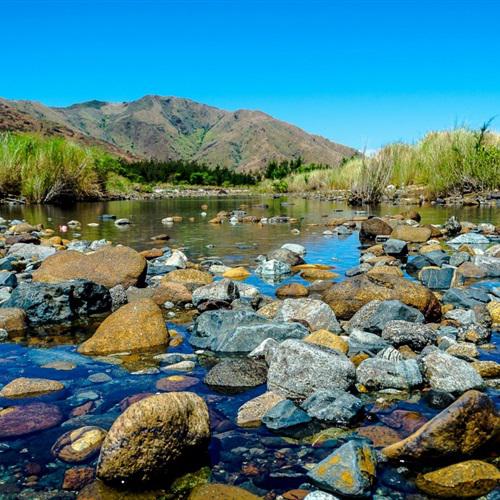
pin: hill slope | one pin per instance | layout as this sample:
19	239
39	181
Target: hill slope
170	128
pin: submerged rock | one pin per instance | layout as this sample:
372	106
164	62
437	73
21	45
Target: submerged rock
108	266
285	415
18	421
141	445
46	304
298	369
137	326
79	445
350	470
250	414
466	425
466	479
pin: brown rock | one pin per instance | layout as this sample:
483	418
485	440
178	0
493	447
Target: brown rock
97	490
392	270
29	387
22	238
64	366
297	494
250	414
172	291
292	290
473	478
347	297
404	420
373	227
270	310
411	234
79	445
153	437
460	429
379	435
176	383
494	311
413	215
221	492
77	478
487	369
138	326
470	271
328	339
188	276
152	253
130	400
108	266
318	274
12	319
377	250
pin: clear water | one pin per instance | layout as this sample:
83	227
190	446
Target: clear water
254	458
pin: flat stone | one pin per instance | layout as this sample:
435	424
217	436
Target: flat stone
333	406
30	387
315	313
436	278
79	445
285	415
176	383
16	421
250	414
236	375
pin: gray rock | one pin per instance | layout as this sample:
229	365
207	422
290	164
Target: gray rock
240	331
8	279
469	239
437	278
236	375
46	303
446	373
99	378
273	269
466	298
285	415
118	296
361	341
395	247
491	265
416	336
265	350
219	291
372	317
295	248
29	251
354	460
298	369
453	226
333	406
459	258
378	373
5	294
437	258
316	313
286	256
391	354
320	495
416	264
474	333
462	316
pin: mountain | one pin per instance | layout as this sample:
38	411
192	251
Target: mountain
171	128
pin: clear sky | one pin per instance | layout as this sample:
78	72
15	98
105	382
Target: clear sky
360	72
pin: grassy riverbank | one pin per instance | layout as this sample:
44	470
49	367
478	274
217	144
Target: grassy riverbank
442	162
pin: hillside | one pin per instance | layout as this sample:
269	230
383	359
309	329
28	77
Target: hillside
171	128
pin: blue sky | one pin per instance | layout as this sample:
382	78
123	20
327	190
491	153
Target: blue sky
360	72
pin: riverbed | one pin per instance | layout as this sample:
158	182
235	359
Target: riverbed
256	459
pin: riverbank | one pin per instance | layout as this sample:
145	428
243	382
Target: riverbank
282	369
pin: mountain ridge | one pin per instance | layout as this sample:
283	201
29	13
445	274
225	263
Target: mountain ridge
177	128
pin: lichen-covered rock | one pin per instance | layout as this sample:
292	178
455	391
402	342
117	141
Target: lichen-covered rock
24	387
411	234
328	339
193	276
154	436
79	445
137	326
416	336
466	425
347	297
292	290
298	369
108	266
379	373
350	470
236	375
463	480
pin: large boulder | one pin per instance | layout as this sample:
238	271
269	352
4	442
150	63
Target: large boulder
411	234
298	369
347	297
375	315
154	437
239	331
138	326
349	471
462	428
69	301
108	266
473	478
447	373
373	227
317	314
